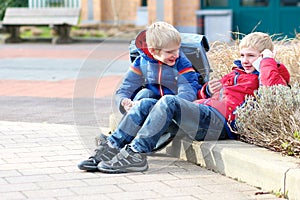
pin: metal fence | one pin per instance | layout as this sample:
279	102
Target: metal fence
54	3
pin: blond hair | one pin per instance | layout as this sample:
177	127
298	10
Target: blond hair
258	41
160	34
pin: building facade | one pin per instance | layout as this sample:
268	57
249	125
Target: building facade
218	17
215	18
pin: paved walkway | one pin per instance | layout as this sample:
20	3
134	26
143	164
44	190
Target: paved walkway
38	158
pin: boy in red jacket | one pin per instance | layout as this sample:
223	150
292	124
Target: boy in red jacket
205	119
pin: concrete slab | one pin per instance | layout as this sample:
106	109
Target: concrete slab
244	162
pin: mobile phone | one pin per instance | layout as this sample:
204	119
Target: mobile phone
256	63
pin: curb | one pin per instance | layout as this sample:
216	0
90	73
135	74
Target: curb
253	165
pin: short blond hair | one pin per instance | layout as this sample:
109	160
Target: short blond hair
258	41
160	34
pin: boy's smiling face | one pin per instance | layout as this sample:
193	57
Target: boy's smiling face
167	55
248	56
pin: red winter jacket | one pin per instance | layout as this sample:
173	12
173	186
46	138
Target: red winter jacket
238	84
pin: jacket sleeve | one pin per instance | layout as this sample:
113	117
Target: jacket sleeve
273	73
204	92
188	84
132	82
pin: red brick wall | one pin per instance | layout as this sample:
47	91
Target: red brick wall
110	11
177	12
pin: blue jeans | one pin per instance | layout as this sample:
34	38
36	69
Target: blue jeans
145	93
144	124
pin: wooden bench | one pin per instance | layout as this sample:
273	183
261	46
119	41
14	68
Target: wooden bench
60	19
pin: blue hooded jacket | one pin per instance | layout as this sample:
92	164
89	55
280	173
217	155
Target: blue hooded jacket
146	72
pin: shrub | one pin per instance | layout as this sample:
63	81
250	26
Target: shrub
272	119
11	3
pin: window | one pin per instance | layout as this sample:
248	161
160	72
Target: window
215	3
290	2
55	3
254	2
144	2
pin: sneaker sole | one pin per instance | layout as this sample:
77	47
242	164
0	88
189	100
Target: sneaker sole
123	170
88	168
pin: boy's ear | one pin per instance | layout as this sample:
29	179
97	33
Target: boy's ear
151	50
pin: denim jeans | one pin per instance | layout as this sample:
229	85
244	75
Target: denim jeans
145	93
144	124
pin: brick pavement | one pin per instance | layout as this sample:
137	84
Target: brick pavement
38	160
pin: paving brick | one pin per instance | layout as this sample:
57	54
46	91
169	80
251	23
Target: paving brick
12	195
97	189
13	166
28	179
109	180
8	173
41	194
134	195
52	164
151	177
182	191
181	197
40	171
145	186
18	187
62	184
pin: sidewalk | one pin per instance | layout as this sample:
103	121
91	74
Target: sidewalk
40	145
38	161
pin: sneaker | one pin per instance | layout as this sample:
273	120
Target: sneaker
125	161
102	152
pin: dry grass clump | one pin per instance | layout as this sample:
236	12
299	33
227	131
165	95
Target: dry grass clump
221	56
288	53
272	120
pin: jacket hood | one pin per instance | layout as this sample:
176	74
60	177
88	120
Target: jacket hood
140	43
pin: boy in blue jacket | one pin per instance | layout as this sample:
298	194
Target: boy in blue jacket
160	69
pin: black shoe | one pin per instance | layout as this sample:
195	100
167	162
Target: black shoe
125	161
102	152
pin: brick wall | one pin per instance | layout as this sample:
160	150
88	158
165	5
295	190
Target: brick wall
110	11
180	13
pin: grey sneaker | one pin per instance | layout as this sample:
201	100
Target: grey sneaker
102	152
125	161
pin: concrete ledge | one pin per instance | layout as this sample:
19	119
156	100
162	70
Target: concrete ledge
247	163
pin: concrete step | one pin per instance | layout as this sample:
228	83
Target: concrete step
254	165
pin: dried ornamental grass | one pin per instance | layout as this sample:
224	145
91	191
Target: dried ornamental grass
288	53
221	56
272	120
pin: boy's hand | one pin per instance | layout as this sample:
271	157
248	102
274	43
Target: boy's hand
214	86
267	53
127	104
